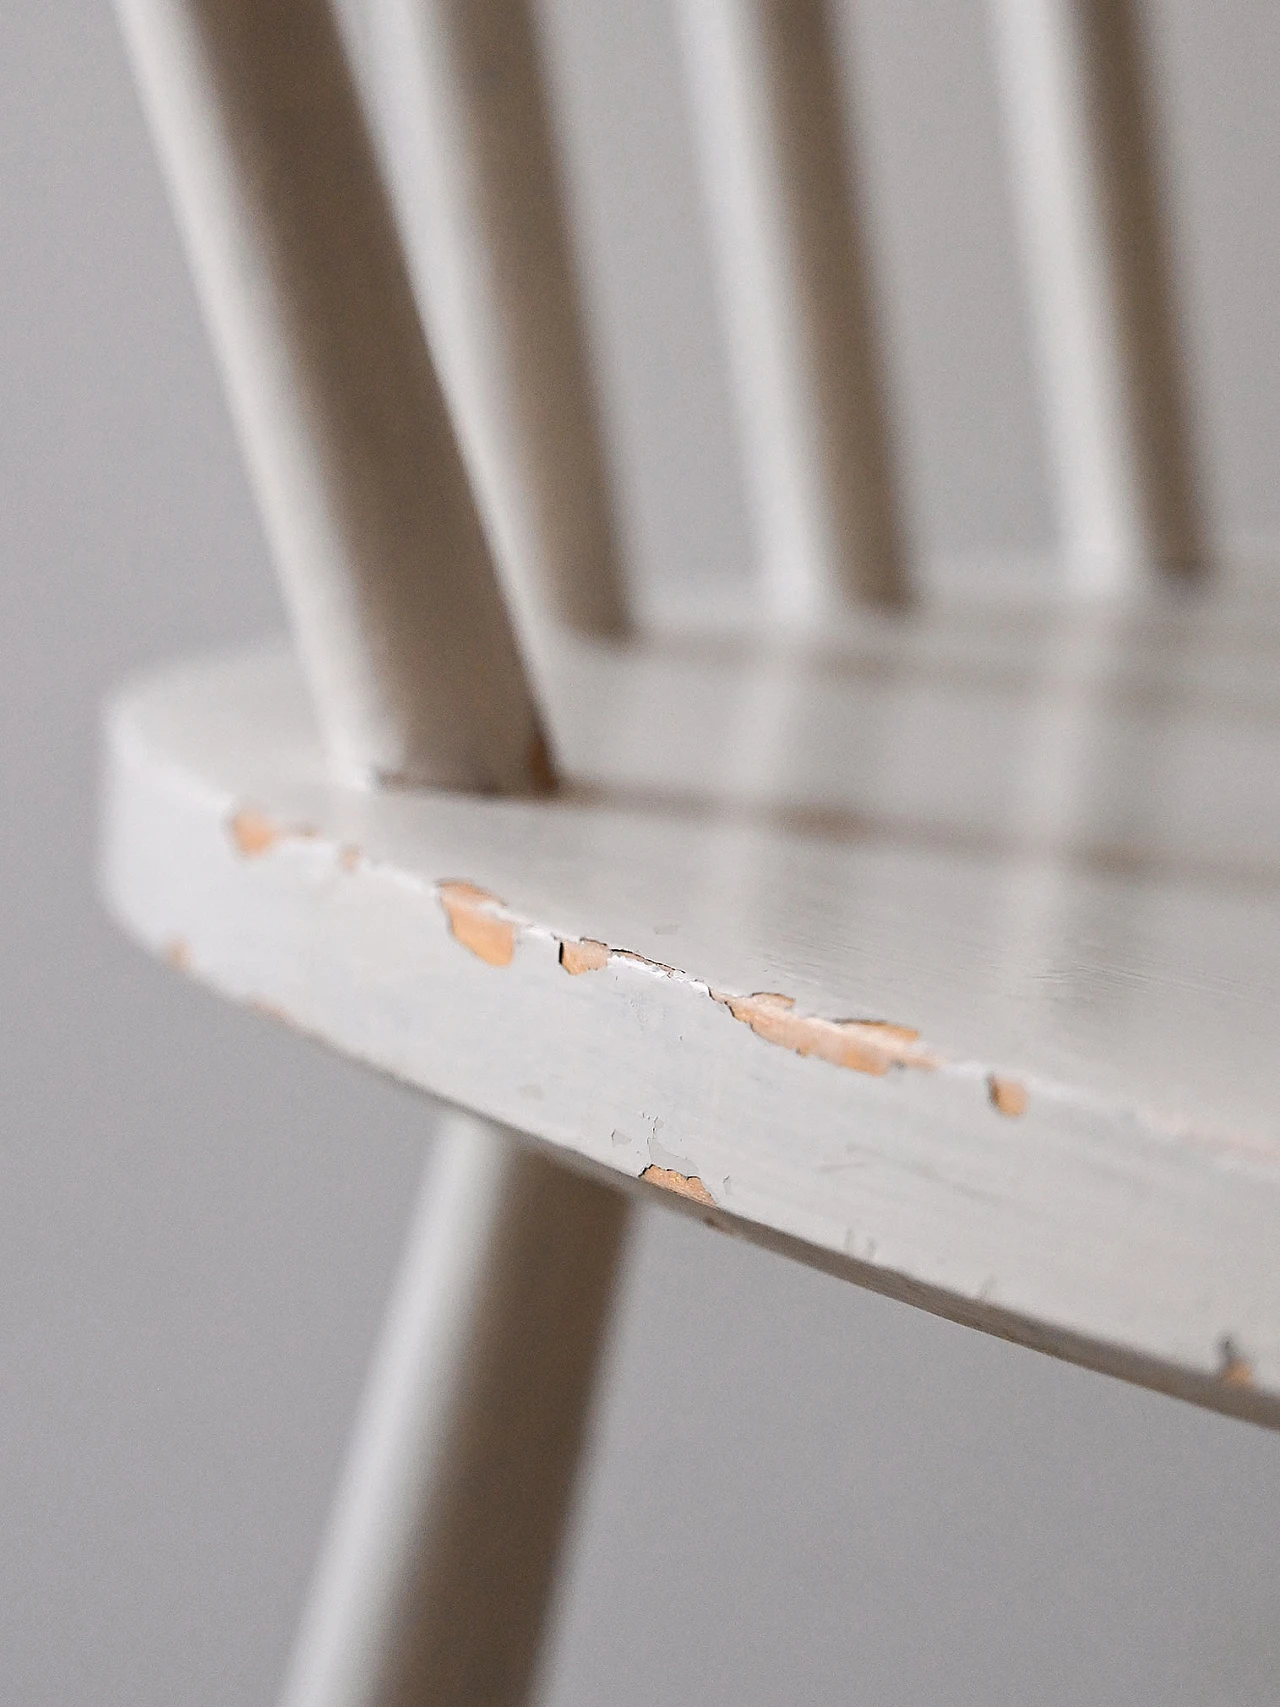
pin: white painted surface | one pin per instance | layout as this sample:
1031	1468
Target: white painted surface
461	1465
1077	117
1121	969
797	310
455	96
382	559
801	1492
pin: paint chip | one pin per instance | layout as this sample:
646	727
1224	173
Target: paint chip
585	956
1234	1369
866	1045
474	921
253	832
684	1185
1008	1095
178	954
349	858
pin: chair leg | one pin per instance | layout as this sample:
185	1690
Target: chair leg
440	1557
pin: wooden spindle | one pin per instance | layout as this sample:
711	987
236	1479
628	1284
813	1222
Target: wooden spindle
796	303
457	103
398	615
1086	196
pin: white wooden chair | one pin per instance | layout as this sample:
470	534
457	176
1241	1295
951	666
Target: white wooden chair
933	941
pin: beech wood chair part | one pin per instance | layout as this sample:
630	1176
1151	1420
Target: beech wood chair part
923	988
854	939
390	583
1088	196
461	1468
457	103
439	1562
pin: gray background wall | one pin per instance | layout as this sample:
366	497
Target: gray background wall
797	1492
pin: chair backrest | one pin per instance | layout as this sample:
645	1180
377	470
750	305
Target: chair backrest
394	544
459	100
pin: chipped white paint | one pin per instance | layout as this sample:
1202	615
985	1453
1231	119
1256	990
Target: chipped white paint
461	1470
1074	1137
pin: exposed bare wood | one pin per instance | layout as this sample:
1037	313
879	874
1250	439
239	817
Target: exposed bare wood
1007	1095
865	1046
684	1185
579	957
479	922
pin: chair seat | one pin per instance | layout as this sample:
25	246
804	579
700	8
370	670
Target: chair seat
943	954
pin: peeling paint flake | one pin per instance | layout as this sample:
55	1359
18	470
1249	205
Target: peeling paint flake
1008	1095
866	1045
585	956
684	1185
476	922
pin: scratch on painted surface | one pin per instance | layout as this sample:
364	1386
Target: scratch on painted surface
585	956
1234	1369
866	1045
476	922
657	966
684	1185
1008	1095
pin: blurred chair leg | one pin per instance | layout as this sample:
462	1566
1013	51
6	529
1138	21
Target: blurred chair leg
440	1558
